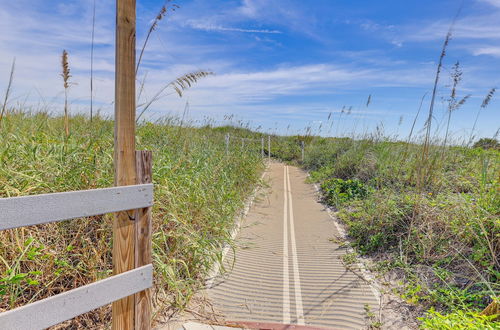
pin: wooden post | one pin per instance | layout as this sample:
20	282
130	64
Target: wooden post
143	236
125	165
269	147
227	144
302	149
262	146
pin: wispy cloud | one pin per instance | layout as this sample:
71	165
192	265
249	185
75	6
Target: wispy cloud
215	27
268	62
386	31
495	3
288	14
493	51
473	27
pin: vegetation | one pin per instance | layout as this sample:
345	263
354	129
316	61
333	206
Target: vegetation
435	223
458	320
199	188
338	191
430	211
487	143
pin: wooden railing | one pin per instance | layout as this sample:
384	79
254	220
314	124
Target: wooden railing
23	211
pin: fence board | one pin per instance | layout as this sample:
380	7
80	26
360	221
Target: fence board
51	311
143	240
32	210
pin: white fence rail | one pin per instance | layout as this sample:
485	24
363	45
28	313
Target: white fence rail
39	209
34	210
53	310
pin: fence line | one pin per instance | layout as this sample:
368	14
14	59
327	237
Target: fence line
67	305
227	142
38	209
132	284
262	145
302	149
269	147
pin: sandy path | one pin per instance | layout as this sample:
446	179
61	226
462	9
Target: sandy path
287	269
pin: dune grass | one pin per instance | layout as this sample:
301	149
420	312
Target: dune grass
436	224
198	191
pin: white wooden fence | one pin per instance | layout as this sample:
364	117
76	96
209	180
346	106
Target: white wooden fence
39	209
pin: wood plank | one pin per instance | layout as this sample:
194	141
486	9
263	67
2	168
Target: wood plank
125	172
38	209
143	237
53	310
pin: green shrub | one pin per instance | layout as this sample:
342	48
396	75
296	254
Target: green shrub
486	143
431	213
378	222
338	191
458	320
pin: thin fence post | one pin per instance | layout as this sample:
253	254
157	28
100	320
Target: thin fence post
302	149
262	146
124	153
143	237
269	146
242	143
227	144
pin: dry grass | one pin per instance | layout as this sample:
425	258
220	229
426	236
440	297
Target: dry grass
198	190
7	92
65	75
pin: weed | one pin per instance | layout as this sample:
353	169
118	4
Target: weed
198	191
338	191
349	258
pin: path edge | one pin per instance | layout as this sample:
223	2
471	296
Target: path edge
215	270
367	275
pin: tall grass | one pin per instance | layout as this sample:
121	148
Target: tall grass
8	90
65	74
484	105
442	238
198	191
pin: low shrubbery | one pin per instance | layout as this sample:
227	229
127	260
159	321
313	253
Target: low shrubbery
434	220
198	191
338	191
458	320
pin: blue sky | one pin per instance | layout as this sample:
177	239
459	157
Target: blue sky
280	64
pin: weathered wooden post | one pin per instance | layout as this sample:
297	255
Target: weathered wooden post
302	149
124	154
227	144
269	147
143	239
262	146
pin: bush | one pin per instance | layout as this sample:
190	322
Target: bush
487	143
338	191
431	214
458	320
377	223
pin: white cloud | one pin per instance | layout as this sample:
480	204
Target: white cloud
215	27
250	8
285	13
252	91
495	3
470	27
266	90
492	51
